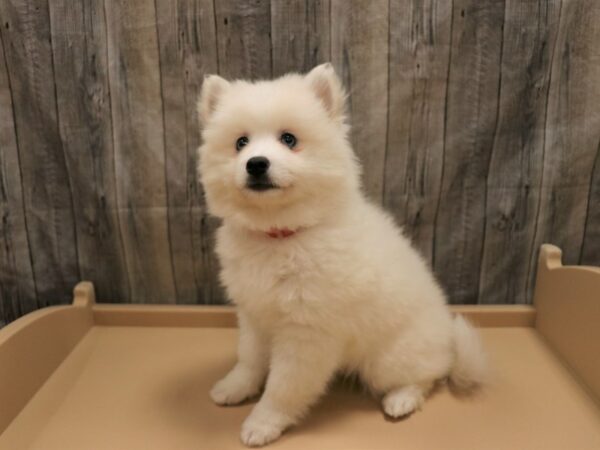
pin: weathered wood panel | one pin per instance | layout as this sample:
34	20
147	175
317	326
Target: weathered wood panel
419	59
471	122
188	51
84	112
47	187
515	170
477	122
244	38
17	284
590	251
359	53
139	145
299	35
572	133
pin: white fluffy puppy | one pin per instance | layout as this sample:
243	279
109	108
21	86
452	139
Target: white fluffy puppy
324	281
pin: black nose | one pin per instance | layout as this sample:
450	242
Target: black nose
257	166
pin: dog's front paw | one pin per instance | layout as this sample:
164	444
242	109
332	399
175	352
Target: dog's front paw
234	388
262	427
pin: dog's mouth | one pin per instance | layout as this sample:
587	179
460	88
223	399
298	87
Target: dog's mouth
260	185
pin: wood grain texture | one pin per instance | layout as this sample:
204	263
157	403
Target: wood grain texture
299	35
244	43
515	169
359	53
44	172
418	68
471	123
590	251
572	135
84	111
139	145
17	284
477	123
188	52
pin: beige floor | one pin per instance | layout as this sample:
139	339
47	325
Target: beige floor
147	388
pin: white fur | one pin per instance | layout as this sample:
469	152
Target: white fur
347	292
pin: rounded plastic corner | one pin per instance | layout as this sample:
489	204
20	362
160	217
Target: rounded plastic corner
550	256
84	295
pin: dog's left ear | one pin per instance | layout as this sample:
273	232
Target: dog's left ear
328	88
213	88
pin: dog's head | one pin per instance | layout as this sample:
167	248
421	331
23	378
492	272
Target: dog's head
275	153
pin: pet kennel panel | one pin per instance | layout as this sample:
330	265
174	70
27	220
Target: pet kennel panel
113	376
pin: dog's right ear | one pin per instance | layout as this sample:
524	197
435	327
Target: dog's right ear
213	88
328	88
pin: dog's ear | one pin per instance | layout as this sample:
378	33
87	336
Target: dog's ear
213	88
328	88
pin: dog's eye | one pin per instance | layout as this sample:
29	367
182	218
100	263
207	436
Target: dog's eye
241	143
288	139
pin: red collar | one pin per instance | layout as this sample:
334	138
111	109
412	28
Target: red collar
280	233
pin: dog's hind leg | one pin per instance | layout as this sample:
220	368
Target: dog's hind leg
405	372
405	400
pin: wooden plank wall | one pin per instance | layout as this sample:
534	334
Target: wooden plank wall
478	123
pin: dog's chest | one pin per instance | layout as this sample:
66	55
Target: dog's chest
281	274
281	270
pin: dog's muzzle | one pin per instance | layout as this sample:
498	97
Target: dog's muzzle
257	168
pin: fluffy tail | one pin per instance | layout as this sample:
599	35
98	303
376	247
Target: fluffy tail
470	366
